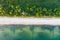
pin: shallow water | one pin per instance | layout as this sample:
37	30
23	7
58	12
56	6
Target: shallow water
29	32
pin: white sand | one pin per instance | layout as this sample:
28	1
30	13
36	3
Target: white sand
29	21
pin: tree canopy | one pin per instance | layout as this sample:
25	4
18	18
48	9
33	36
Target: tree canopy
30	8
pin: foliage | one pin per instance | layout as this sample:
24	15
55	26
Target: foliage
35	8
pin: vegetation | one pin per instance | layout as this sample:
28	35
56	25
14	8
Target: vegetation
29	8
29	32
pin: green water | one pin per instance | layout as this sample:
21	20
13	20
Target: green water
29	32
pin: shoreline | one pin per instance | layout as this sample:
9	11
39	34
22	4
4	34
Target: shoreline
29	21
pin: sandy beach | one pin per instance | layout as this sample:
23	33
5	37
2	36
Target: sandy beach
29	21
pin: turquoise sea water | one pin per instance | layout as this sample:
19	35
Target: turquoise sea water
29	32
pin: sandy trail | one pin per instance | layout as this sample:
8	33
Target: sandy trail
29	21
